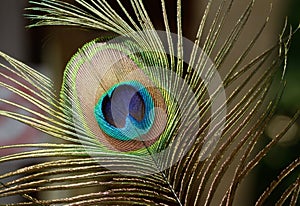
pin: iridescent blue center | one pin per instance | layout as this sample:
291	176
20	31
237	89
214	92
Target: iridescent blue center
125	111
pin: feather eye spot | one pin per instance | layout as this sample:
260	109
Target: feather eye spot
124	100
114	99
125	112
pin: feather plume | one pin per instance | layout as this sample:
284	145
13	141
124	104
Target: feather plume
144	117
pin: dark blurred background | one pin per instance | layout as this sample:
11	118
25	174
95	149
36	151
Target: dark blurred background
48	50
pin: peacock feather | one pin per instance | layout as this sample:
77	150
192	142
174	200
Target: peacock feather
145	116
